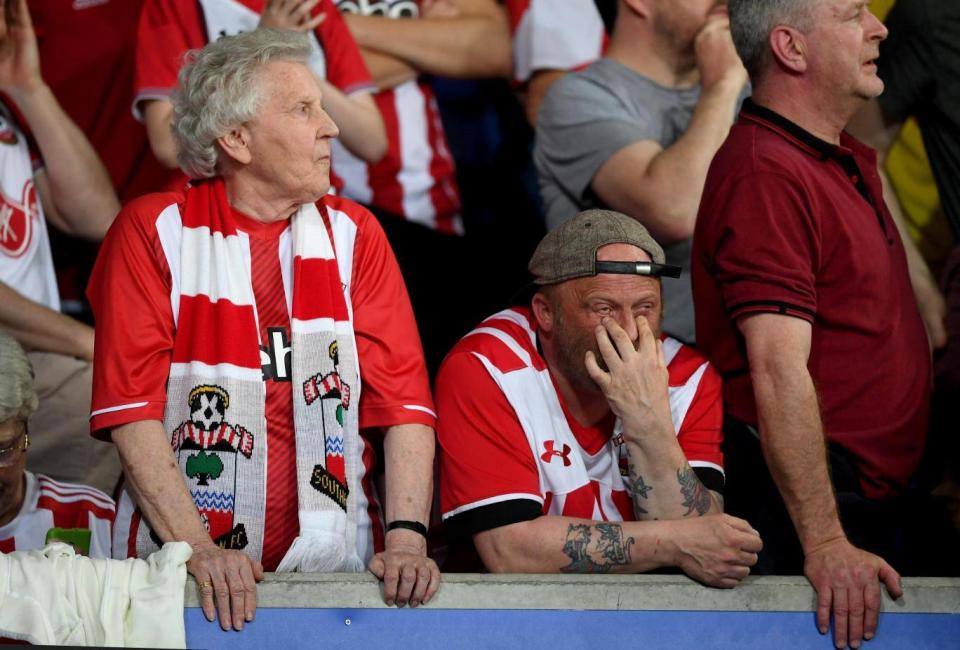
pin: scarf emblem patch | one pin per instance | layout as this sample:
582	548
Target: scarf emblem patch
208	449
333	393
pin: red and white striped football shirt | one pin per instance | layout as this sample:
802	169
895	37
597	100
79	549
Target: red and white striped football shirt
51	504
135	301
510	450
416	179
554	35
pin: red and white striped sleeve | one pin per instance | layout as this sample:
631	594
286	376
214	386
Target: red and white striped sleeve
79	506
696	400
129	291
346	68
396	387
488	475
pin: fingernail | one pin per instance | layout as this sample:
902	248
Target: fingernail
854	644
389	603
249	616
823	630
868	635
413	603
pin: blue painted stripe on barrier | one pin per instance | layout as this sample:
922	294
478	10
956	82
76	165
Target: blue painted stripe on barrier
427	629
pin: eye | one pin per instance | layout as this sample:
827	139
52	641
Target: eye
604	310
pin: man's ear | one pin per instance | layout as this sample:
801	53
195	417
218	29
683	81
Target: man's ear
236	144
789	47
542	312
639	7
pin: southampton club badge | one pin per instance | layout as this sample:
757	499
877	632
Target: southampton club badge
208	450
333	393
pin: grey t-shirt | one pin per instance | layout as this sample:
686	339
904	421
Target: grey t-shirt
589	116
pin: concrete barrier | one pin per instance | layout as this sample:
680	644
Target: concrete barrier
546	611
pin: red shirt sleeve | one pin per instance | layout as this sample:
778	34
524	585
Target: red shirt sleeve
129	291
346	68
701	433
396	389
485	458
167	30
763	262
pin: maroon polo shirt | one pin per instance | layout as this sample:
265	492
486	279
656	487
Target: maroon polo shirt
793	225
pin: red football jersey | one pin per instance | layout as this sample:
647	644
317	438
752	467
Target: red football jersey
510	450
416	179
87	58
51	504
131	292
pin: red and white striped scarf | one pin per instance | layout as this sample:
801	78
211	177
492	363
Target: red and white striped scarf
215	410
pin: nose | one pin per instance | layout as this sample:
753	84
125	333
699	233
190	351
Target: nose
327	128
629	325
875	29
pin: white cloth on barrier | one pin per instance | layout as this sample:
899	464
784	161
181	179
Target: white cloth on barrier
56	597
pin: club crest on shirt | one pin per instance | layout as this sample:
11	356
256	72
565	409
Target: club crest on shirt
17	220
7	133
330	388
208	449
388	8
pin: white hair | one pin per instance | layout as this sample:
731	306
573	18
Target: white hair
751	22
18	398
219	90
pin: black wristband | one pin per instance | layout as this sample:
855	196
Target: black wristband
415	526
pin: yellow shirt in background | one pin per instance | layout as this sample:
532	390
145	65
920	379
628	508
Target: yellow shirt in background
909	172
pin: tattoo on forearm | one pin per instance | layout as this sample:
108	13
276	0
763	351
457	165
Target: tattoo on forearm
598	553
696	497
638	490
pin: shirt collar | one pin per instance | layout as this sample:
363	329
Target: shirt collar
794	132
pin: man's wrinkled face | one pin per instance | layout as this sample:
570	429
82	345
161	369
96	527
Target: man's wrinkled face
843	48
580	305
13	461
290	135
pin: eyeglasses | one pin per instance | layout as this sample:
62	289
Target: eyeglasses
9	454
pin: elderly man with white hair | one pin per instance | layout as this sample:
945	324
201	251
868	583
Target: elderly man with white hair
33	504
254	341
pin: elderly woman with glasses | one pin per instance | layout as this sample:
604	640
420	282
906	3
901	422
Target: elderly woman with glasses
31	505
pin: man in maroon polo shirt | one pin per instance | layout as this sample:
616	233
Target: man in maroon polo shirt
804	305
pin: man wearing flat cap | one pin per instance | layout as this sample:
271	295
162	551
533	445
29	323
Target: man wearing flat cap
576	438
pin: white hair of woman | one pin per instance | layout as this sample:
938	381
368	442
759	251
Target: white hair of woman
219	90
18	398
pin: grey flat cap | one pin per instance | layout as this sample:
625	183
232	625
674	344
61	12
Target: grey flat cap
570	250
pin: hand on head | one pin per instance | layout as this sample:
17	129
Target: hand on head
715	54
294	15
635	381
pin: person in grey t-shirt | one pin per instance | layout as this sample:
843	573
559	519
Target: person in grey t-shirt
636	131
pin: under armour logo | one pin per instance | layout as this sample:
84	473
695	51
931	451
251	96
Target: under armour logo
550	452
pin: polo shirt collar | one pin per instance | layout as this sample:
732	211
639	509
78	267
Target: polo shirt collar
792	131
